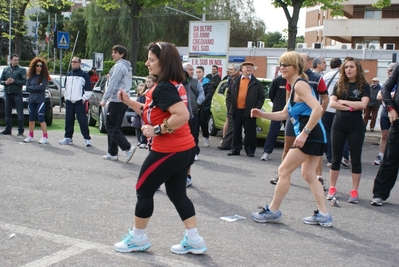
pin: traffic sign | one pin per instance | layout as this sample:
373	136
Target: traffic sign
63	40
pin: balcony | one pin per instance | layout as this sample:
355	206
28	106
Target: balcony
347	28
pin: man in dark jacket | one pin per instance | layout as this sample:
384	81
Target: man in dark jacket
277	95
244	94
13	78
388	171
373	106
214	77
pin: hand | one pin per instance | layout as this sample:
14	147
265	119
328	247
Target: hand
300	140
103	104
255	113
123	96
148	131
393	115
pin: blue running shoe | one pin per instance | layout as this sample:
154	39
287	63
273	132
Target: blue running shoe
189	246
266	215
317	218
129	243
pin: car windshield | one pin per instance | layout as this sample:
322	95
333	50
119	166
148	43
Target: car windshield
266	87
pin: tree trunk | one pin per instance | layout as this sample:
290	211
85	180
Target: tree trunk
293	24
20	28
135	10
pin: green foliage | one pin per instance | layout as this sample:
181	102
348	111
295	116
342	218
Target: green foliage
141	68
382	3
107	66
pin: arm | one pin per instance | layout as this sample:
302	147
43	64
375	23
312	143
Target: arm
273	116
209	94
117	74
88	90
36	87
133	104
3	78
201	95
273	89
325	100
21	79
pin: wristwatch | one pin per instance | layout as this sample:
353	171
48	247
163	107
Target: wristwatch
158	130
307	130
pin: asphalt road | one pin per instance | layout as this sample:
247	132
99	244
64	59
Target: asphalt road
67	207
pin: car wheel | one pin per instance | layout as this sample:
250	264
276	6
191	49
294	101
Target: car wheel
211	126
90	120
49	119
101	123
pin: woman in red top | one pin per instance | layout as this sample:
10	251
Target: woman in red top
172	150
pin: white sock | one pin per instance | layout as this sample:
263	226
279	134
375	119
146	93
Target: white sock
193	234
381	155
138	233
324	214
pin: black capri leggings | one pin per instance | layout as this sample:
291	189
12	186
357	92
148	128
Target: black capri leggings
355	141
168	168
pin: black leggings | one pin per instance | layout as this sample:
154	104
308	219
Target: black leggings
168	168
355	141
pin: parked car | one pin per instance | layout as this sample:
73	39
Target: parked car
48	115
219	111
97	113
56	86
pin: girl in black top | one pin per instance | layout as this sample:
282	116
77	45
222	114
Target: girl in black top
350	96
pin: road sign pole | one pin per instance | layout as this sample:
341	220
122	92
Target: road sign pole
60	78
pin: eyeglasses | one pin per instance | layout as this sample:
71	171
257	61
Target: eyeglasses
390	70
74	61
282	64
41	66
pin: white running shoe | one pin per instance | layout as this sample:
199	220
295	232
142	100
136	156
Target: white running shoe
206	141
44	141
29	139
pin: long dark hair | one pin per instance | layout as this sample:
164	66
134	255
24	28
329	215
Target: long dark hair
343	82
44	75
169	61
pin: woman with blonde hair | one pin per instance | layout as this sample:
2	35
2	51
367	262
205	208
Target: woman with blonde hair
350	97
36	85
305	112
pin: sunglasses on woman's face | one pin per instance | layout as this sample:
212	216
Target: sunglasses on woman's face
39	65
284	65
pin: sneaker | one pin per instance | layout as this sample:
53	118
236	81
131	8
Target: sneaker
190	246
129	243
66	141
345	162
206	141
196	158
354	197
377	201
371	129
130	153
29	139
20	134
266	215
189	182
378	160
265	157
332	192
329	164
142	146
44	141
110	157
87	143
274	180
321	180
317	218
5	132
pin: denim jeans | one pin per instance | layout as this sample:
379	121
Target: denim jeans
272	135
15	99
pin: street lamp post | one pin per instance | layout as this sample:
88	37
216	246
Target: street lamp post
9	32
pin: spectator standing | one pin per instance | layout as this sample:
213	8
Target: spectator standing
13	78
244	94
227	137
36	86
305	112
214	77
120	76
319	65
388	172
77	91
350	96
205	108
172	151
373	105
277	95
93	77
384	120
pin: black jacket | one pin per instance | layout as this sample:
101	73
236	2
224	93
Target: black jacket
18	74
255	95
277	93
388	86
215	80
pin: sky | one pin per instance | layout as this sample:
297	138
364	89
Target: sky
274	18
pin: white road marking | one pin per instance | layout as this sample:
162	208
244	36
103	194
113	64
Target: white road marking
79	245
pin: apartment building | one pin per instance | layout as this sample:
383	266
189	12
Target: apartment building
362	27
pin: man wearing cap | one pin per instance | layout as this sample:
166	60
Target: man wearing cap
244	94
373	106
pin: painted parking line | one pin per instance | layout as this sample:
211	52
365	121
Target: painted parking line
79	246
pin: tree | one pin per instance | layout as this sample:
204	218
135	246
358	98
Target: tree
75	25
333	5
274	39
